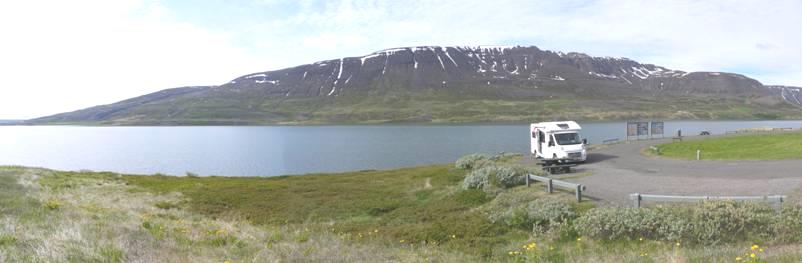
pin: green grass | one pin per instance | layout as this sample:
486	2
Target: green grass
399	203
739	147
414	214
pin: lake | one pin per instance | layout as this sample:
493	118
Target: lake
281	150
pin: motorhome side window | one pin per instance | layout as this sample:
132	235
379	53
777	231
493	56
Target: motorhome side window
568	139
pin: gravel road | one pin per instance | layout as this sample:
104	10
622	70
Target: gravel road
620	169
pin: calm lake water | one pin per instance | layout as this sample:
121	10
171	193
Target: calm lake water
274	150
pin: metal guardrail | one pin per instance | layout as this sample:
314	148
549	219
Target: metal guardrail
551	183
637	199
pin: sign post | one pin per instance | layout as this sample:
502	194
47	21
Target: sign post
657	128
632	129
643	129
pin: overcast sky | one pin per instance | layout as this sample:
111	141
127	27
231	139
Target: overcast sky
58	56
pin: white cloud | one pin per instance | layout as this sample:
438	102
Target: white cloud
66	55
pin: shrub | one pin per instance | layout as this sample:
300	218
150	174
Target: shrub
710	222
788	227
479	179
472	161
509	176
539	215
495	176
714	222
545	212
628	223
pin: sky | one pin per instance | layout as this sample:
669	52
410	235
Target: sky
58	56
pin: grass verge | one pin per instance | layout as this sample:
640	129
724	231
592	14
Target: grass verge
738	147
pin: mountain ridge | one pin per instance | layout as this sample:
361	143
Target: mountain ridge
453	84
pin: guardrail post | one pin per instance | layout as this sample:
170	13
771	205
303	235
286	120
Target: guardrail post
549	186
527	180
776	202
579	193
698	154
635	200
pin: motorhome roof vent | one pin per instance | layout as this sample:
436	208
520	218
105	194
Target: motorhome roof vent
562	126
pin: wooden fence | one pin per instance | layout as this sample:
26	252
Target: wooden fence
637	199
551	183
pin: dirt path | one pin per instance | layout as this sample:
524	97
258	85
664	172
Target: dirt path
619	170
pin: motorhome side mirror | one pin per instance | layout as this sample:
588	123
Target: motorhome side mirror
551	143
584	141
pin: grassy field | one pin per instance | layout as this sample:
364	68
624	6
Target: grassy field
420	214
763	146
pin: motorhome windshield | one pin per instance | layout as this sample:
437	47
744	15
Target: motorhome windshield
567	138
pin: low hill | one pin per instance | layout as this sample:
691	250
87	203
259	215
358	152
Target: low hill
455	84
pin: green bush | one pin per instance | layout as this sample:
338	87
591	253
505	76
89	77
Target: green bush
539	215
629	223
710	222
545	212
479	179
472	161
495	176
509	176
724	221
788	227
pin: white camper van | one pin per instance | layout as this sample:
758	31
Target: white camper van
557	141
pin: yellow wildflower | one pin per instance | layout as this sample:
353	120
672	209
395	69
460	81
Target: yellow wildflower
402	241
551	248
375	231
755	247
640	239
752	255
738	258
678	244
510	253
453	236
579	239
761	250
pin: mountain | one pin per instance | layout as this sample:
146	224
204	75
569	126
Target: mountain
11	122
455	84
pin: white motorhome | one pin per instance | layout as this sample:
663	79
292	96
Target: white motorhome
557	141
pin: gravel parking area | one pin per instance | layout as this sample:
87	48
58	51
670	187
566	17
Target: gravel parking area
620	169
